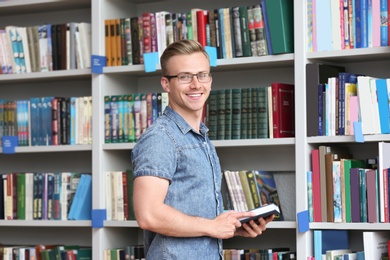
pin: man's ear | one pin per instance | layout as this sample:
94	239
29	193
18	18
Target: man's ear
165	84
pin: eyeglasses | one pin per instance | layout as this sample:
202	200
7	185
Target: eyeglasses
184	77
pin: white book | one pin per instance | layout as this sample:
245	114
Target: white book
336	31
22	31
7	52
375	243
85	31
29	195
374	105
330	254
365	103
270	112
119	198
161	31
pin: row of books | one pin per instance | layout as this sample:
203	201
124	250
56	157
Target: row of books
135	252
45	47
46	196
267	253
47	120
128	116
335	244
250	113
337	25
240	31
45	252
344	189
350	98
248	189
119	194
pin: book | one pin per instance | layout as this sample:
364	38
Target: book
81	206
267	190
281	25
332	254
375	243
316	184
348	165
372	196
325	240
383	164
283	110
317	73
262	212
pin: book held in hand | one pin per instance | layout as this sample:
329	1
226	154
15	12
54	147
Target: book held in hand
262	212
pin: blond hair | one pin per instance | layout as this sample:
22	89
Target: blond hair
182	47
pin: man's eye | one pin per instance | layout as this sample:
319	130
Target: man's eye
185	76
202	75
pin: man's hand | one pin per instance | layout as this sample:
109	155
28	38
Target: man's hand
226	224
251	229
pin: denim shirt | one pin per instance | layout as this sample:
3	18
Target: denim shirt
171	149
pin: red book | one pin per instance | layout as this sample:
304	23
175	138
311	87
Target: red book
125	196
202	20
283	111
147	33
315	165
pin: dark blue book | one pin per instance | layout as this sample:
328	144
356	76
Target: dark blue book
325	240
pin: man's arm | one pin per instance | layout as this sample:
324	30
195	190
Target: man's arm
154	215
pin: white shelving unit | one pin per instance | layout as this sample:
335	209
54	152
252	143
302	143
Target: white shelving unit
289	157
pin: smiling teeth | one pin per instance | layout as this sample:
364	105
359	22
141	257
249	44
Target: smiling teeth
194	95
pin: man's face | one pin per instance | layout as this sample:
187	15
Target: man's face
187	98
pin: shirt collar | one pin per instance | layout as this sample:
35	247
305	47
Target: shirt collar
181	123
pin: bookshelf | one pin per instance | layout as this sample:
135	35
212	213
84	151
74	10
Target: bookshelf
290	157
46	158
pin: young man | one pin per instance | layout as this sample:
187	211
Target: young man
177	185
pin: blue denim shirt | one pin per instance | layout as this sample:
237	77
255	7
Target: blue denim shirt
171	149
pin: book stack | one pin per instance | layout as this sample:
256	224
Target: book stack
46	196
47	120
119	194
251	113
335	25
347	189
246	190
46	251
240	31
128	116
46	47
344	99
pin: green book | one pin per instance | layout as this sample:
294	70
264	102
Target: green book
281	25
130	185
228	113
262	112
348	164
244	113
253	114
246	42
236	115
21	195
213	114
221	114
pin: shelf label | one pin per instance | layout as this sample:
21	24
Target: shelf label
357	128
98	217
212	52
98	63
303	221
9	143
151	61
